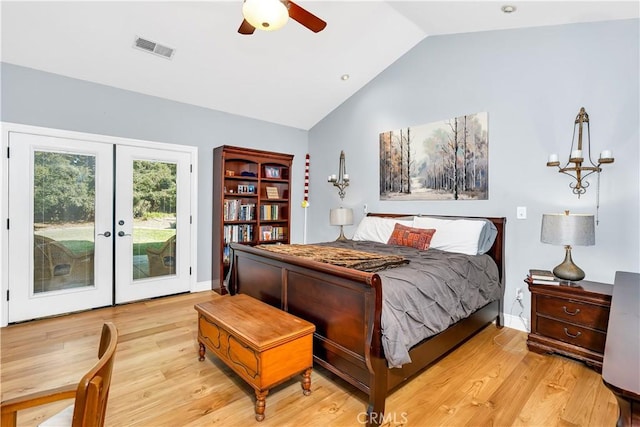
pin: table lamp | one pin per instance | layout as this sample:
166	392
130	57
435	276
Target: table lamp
341	217
568	229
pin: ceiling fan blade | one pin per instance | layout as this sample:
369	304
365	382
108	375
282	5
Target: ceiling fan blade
246	28
305	17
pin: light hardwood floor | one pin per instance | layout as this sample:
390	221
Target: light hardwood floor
490	380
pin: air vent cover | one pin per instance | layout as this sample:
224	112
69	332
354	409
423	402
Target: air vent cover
153	47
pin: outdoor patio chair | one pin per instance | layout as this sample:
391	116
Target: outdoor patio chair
54	262
163	261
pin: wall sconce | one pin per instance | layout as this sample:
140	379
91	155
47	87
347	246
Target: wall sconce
341	216
566	230
342	180
574	167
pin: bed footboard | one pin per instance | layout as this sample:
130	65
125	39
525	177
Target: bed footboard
344	305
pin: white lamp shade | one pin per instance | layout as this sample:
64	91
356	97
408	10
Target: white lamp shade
341	216
568	229
266	15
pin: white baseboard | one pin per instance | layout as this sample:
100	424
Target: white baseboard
514	322
202	286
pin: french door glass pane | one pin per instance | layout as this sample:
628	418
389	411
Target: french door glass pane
154	218
63	221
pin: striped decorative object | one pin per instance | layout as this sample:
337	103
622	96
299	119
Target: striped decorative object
305	203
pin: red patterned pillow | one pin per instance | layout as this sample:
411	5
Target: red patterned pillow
418	238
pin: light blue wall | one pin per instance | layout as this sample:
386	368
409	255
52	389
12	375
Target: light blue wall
532	82
43	99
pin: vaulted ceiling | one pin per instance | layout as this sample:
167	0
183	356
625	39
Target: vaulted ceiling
291	76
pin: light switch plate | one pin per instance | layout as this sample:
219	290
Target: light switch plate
521	212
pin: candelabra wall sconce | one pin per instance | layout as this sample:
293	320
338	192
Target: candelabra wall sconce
341	181
580	164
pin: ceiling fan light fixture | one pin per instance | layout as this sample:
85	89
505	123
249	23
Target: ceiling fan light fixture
266	15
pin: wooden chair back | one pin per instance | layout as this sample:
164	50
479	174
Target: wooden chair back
91	393
93	390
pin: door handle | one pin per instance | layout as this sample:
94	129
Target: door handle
105	234
122	233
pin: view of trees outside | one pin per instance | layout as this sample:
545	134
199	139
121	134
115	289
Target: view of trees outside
64	201
154	189
154	211
64	188
445	160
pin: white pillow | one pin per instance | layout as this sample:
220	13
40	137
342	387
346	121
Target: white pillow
378	229
453	235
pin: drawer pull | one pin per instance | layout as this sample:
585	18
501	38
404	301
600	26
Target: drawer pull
566	331
564	307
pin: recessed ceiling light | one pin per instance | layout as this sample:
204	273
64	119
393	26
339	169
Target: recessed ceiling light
344	77
507	8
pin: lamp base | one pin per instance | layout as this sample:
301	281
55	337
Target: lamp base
341	236
568	270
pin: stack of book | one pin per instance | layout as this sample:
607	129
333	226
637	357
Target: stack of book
543	277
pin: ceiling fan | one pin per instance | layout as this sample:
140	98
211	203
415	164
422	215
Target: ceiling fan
270	15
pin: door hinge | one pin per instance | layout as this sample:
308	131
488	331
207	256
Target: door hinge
190	219
7	223
8	154
190	168
189	271
7	294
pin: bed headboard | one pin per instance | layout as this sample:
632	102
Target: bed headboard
497	250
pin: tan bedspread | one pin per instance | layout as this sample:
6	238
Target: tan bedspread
342	257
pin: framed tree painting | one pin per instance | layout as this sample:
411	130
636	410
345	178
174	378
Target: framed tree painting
446	160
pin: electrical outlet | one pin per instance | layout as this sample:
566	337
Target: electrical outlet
519	294
521	212
365	208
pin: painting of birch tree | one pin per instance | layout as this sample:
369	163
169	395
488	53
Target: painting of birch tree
445	160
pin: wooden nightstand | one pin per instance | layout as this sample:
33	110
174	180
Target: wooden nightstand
570	320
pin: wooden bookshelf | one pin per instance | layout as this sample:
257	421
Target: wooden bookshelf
251	203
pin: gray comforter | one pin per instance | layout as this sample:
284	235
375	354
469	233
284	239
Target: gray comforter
432	292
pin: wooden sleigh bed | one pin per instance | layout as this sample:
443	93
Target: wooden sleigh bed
346	305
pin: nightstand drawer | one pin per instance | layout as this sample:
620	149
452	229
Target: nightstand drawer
590	315
572	334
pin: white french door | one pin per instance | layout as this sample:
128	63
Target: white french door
145	270
60	213
64	242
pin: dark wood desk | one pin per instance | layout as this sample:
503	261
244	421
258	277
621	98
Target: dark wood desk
621	365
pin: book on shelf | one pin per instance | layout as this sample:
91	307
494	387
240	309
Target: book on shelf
235	210
538	274
238	233
269	212
269	232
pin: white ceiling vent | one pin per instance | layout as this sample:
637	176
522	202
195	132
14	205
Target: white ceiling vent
153	47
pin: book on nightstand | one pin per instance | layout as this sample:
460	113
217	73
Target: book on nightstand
542	277
541	274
